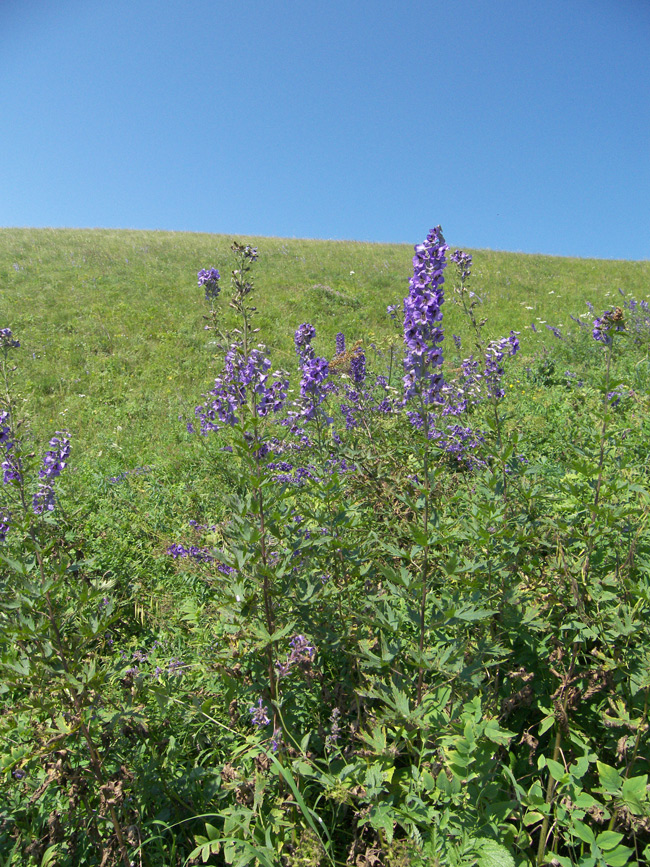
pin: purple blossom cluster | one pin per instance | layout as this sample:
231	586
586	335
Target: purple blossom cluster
7	340
340	343
209	279
335	730
301	655
606	325
555	331
284	473
11	465
464	263
242	376
494	355
422	316
199	555
259	714
314	385
54	462
5	522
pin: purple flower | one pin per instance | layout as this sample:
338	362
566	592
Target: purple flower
494	354
464	263
276	740
55	459
335	730
315	373
54	462
358	368
422	315
7	339
301	654
43	499
209	279
340	343
5	522
259	715
242	376
302	339
607	324
457	341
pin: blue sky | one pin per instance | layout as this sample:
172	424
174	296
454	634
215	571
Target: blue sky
518	125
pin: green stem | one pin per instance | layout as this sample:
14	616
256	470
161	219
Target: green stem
425	562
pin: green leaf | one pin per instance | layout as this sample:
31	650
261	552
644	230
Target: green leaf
607	840
492	854
556	770
618	857
583	831
610	779
634	793
49	856
496	734
381	817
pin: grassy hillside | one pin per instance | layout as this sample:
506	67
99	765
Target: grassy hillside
111	321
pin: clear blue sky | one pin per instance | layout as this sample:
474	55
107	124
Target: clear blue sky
515	124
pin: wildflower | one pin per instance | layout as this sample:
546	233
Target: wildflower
340	343
315	372
209	279
335	730
259	715
607	324
54	462
464	263
5	521
7	340
422	313
242	376
358	368
303	337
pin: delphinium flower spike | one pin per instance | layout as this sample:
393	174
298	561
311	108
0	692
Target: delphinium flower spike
422	315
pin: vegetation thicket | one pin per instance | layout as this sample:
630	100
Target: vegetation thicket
347	569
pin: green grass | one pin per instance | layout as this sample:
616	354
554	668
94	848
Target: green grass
111	321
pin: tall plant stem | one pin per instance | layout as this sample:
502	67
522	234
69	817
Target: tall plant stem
267	592
425	561
601	462
550	786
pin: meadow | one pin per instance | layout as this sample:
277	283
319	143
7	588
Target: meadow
383	600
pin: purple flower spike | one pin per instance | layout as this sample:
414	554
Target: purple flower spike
358	368
464	262
5	522
209	279
241	376
303	337
259	715
340	343
422	315
54	462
